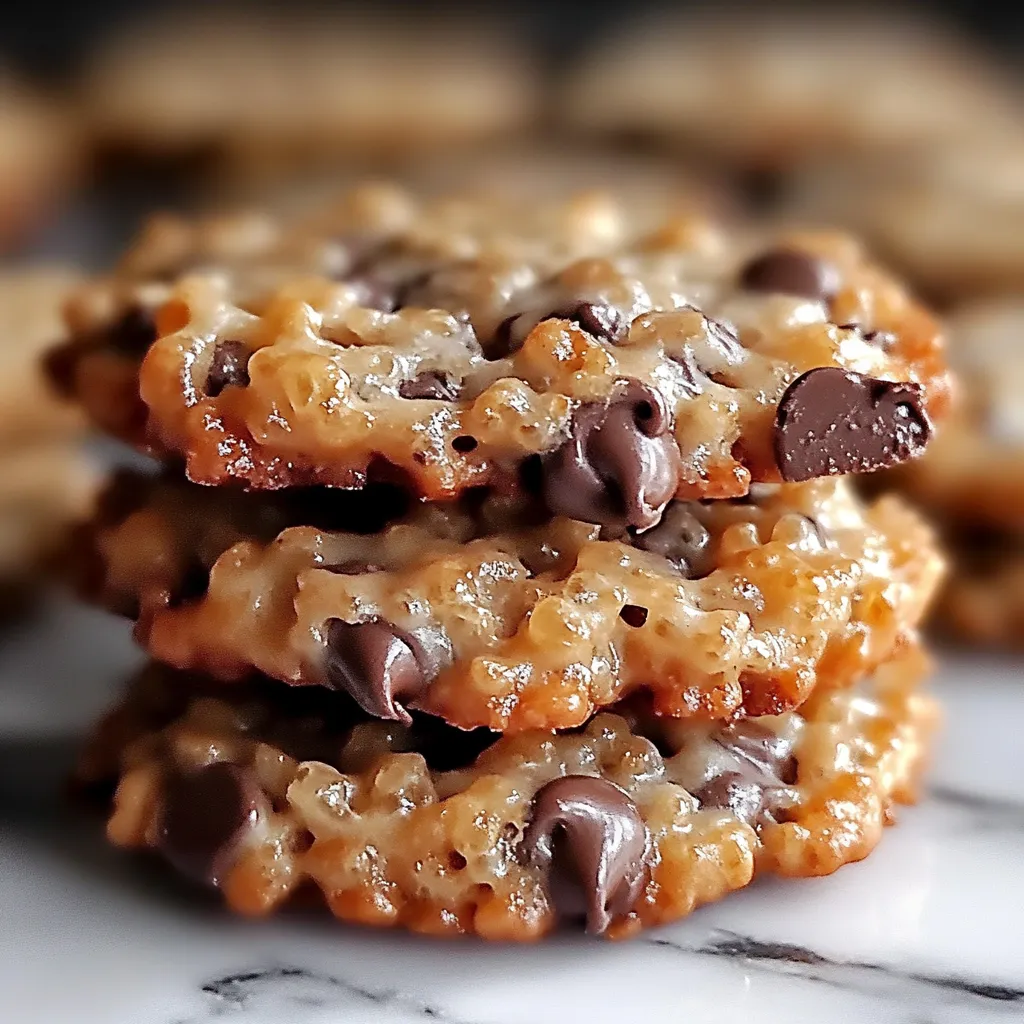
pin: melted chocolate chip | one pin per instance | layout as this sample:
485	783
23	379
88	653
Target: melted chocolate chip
205	817
681	538
755	789
229	368
133	333
620	466
587	836
374	292
791	272
377	664
832	421
435	384
598	319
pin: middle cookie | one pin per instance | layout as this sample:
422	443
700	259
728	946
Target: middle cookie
724	608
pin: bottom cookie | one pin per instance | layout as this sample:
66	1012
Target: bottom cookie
626	823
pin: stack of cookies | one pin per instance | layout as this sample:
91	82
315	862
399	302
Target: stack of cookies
502	568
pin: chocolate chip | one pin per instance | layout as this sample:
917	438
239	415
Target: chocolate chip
733	792
681	538
589	840
833	421
755	789
193	584
464	444
771	752
205	816
792	273
598	319
884	340
620	466
634	615
133	332
434	384
373	292
229	367
376	663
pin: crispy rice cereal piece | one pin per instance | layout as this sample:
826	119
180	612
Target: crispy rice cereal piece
725	607
628	823
492	358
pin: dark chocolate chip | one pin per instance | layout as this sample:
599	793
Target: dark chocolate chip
620	466
736	793
205	816
765	765
464	444
772	753
353	567
194	583
375	663
791	272
229	367
832	421
374	292
435	384
133	332
598	319
634	615
681	538
588	838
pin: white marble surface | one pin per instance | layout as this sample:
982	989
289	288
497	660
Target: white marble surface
930	929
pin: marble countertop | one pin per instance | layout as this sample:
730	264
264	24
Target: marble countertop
929	929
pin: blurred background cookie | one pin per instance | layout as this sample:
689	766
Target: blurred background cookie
949	215
40	158
764	90
266	86
30	322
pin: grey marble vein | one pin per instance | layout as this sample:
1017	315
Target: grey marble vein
888	981
989	813
282	993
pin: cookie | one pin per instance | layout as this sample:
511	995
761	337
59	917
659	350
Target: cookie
489	342
30	322
974	476
766	91
972	483
477	615
111	321
628	823
982	601
263	86
44	488
40	158
949	216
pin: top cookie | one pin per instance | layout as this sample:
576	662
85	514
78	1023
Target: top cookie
540	346
766	91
